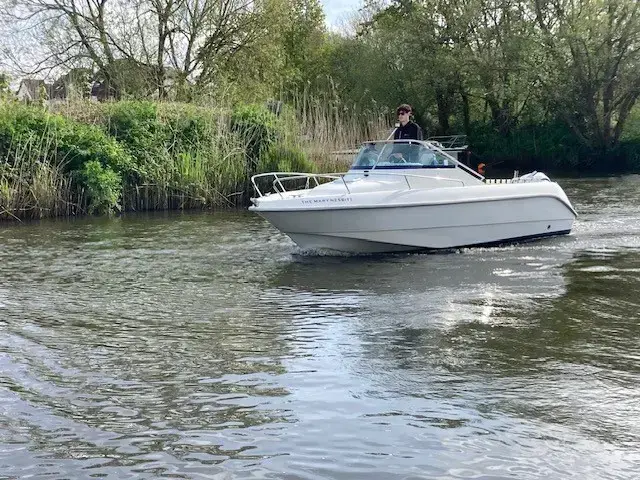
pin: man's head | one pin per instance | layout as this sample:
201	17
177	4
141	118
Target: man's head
404	112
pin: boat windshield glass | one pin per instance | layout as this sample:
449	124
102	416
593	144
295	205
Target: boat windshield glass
399	155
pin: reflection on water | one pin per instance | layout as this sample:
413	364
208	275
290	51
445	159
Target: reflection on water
207	346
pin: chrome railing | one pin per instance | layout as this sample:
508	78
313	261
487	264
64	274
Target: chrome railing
279	178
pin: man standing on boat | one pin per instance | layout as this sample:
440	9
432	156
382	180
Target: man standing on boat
408	130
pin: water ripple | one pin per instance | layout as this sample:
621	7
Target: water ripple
208	346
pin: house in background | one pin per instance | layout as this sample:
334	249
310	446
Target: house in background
76	83
126	79
32	90
66	87
101	91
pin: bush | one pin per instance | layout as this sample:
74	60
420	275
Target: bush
136	127
631	132
187	128
280	158
158	135
258	129
185	155
58	139
103	187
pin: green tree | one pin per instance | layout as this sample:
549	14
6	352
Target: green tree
592	74
303	39
5	90
418	61
499	51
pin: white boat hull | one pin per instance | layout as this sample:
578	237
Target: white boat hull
369	229
410	195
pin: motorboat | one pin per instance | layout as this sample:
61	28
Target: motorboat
407	195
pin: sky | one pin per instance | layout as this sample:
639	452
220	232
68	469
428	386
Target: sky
338	10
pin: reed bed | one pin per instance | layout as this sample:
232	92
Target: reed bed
34	185
185	155
327	126
157	156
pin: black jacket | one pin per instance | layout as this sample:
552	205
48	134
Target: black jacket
410	131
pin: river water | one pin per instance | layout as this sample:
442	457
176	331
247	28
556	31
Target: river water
206	345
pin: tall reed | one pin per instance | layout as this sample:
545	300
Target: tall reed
34	185
198	164
326	125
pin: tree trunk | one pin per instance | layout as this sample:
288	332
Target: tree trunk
466	111
444	111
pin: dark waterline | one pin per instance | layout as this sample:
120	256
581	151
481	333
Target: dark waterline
205	345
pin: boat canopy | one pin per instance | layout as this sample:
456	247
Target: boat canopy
401	154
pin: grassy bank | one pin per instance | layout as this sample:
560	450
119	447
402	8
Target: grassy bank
99	158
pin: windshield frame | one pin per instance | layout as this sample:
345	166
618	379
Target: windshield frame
370	158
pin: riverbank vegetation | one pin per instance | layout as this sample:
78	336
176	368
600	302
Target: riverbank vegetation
88	157
195	98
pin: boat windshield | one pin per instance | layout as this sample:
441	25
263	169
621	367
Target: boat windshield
399	155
